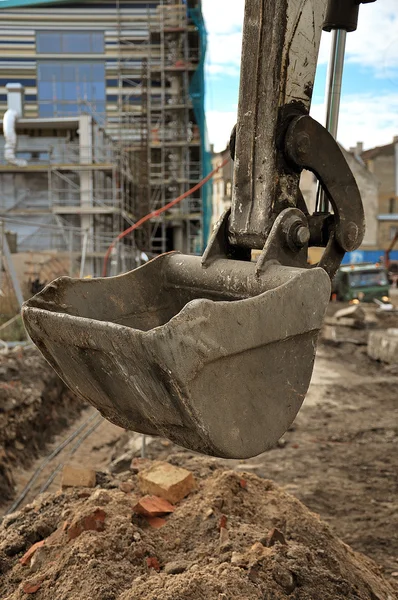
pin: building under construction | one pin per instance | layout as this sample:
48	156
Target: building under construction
111	125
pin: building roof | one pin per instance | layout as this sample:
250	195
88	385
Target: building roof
387	150
27	3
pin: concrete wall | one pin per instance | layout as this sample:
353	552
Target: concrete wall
222	185
382	166
368	187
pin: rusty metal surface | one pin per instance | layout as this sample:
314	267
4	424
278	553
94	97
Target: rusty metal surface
280	49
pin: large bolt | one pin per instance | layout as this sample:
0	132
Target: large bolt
302	236
351	235
303	144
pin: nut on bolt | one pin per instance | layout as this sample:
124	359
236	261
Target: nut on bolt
297	233
302	236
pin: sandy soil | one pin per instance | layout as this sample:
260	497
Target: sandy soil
339	458
219	543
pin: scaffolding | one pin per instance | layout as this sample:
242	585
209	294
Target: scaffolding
159	106
74	194
91	175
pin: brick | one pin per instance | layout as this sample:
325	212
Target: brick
28	555
156	522
74	477
52	540
166	481
153	506
153	563
94	521
31	587
56	537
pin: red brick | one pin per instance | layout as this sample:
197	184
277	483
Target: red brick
166	481
153	563
153	506
28	555
156	522
56	537
31	587
92	522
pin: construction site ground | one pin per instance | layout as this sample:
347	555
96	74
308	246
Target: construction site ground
339	459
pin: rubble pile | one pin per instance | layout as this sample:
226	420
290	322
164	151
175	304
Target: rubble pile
195	531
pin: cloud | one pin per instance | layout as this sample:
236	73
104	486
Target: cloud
375	43
224	20
365	118
220	124
370	118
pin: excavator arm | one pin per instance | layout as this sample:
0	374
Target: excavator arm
216	352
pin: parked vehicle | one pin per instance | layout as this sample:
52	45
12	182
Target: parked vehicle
363	282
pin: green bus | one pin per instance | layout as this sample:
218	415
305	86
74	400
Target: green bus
363	282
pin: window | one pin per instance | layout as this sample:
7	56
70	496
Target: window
393	232
228	191
70	42
65	88
391	206
368	278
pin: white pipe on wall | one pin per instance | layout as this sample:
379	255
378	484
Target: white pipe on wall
9	123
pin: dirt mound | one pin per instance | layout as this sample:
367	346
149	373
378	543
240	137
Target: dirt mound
35	405
216	545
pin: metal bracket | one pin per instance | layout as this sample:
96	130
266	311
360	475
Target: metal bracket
308	145
279	56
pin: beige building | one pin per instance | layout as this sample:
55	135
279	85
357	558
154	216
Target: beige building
222	185
382	162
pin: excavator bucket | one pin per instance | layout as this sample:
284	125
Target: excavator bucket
219	375
216	353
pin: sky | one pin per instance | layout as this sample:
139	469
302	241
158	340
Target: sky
369	106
